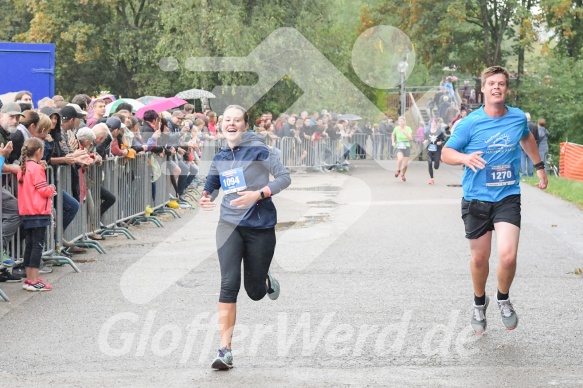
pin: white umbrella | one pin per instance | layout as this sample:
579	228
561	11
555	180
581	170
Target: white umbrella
8	97
195	94
349	117
110	108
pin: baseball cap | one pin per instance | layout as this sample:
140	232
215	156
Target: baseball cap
12	109
68	112
78	109
113	123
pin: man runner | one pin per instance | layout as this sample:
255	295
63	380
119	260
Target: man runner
488	142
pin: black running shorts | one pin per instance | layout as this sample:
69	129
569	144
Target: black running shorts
506	210
406	152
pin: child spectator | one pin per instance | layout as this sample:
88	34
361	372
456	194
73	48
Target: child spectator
34	206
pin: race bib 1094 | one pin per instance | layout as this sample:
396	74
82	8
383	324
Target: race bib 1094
233	180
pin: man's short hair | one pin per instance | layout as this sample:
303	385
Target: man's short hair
150	115
178	113
85	133
125	106
492	70
189	108
100	129
81	100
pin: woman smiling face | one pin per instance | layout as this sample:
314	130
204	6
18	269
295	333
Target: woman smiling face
234	125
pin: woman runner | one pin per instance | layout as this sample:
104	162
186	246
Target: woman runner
401	136
434	139
246	229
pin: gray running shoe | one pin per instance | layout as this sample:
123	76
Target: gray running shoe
479	322
224	360
274	284
509	317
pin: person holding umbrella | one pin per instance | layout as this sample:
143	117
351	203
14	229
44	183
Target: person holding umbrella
246	229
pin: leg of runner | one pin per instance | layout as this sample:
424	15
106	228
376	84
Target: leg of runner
430	166
259	249
507	236
399	162
479	266
436	161
405	164
230	249
480	262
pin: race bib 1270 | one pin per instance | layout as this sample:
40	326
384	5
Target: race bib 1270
233	180
502	175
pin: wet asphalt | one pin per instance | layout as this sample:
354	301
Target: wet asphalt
375	291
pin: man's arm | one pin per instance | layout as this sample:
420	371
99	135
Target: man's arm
453	157
528	144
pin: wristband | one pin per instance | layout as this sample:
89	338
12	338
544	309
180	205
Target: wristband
539	166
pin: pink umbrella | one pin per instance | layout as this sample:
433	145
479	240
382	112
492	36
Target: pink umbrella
161	105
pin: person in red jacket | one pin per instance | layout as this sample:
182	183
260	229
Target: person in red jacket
34	206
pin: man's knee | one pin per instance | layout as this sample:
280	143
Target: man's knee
480	259
507	257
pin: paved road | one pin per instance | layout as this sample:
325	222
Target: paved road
375	291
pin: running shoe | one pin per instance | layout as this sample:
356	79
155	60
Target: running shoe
7	277
509	317
273	290
403	178
224	360
9	262
40	285
431	181
397	173
479	317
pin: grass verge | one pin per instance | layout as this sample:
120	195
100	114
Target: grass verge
569	190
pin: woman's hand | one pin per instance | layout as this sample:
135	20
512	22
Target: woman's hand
246	199
205	202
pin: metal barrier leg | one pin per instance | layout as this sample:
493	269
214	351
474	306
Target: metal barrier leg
117	230
169	211
3	296
90	244
138	220
57	259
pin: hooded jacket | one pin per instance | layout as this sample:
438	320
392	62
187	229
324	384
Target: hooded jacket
253	156
52	148
34	194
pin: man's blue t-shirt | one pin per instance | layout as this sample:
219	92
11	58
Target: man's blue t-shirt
499	140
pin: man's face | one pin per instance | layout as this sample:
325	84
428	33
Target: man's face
100	138
68	124
291	120
307	122
177	119
107	100
99	109
26	98
303	115
315	115
9	121
495	89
